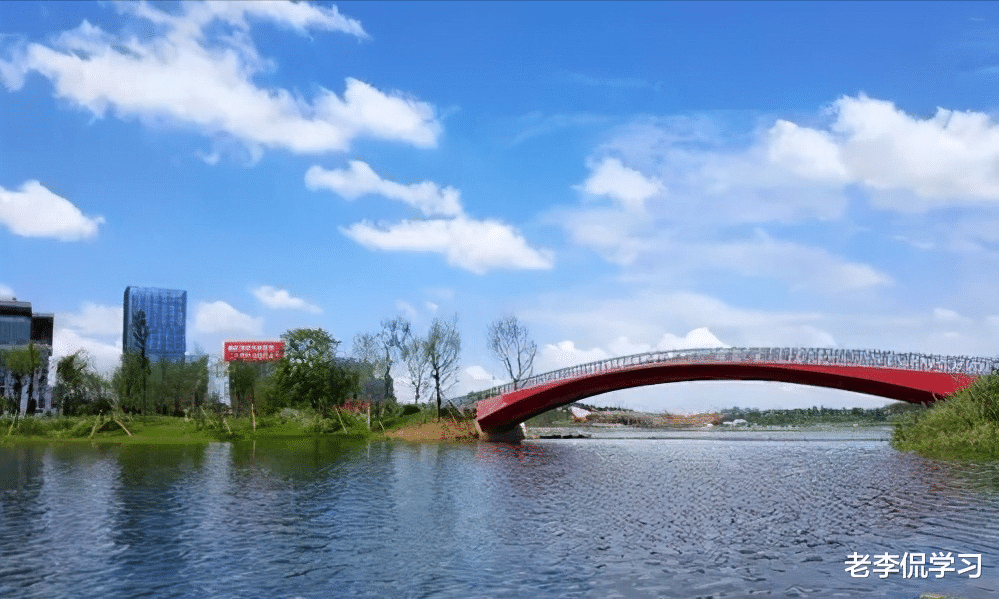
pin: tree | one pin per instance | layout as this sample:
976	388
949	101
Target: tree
140	333
23	362
78	388
394	334
70	389
128	382
443	347
242	381
368	353
510	342
310	373
414	355
379	352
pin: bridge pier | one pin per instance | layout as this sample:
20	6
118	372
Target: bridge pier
512	435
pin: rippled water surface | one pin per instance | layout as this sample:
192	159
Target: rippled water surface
724	515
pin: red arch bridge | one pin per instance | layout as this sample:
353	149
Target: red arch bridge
915	378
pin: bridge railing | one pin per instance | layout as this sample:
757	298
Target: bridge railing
967	365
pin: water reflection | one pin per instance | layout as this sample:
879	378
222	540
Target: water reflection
576	518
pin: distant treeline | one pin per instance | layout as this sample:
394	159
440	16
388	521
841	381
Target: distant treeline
782	417
816	414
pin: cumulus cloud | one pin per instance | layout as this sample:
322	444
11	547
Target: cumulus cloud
220	317
95	329
565	353
707	191
625	185
923	163
475	245
279	299
6	292
360	179
698	338
602	323
472	244
34	211
198	71
103	356
93	319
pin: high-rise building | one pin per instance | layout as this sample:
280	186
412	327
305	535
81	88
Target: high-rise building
165	313
20	327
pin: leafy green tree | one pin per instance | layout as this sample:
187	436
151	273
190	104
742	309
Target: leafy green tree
128	382
70	390
23	363
243	377
79	389
310	374
140	334
443	347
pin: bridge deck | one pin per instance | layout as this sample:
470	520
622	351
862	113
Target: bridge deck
905	377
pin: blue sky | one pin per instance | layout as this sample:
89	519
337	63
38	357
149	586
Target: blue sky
620	176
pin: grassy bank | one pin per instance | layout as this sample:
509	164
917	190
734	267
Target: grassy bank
208	427
963	427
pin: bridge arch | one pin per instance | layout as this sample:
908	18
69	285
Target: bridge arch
912	378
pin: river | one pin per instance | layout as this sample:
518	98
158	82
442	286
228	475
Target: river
625	514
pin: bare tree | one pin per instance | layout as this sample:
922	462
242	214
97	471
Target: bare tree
414	355
393	336
379	351
443	347
510	342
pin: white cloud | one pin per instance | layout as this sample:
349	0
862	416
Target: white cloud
804	267
34	211
919	164
103	356
601	323
565	353
406	308
474	245
220	317
479	375
807	153
201	77
427	197
6	292
626	185
698	338
279	299
93	319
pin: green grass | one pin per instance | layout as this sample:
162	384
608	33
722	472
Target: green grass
206	428
964	427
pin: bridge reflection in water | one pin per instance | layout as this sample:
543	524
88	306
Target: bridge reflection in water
910	377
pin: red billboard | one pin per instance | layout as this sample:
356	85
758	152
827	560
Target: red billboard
253	351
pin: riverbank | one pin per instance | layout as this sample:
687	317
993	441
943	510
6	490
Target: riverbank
963	427
144	430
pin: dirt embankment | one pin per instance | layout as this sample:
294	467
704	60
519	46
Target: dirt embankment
443	430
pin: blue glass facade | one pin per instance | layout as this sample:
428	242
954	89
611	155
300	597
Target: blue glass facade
166	318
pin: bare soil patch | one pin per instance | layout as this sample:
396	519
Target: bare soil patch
444	430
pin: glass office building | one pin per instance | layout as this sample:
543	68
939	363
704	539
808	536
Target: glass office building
166	320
